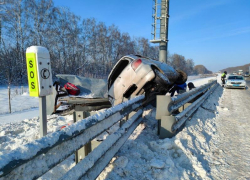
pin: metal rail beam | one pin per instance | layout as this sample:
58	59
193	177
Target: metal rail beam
92	165
184	115
32	153
188	96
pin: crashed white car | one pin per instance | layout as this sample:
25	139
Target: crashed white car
235	81
134	75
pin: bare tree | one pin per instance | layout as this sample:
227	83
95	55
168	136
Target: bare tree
14	20
83	47
143	47
190	66
178	62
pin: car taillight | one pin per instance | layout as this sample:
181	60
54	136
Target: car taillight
136	63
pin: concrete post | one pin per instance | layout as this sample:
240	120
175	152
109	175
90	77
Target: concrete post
164	31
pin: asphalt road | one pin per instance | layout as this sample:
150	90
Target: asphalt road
247	79
233	145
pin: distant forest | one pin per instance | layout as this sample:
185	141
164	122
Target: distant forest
83	47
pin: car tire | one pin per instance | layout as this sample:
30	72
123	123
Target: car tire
159	86
160	78
182	77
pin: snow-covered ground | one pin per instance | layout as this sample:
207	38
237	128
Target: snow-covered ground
214	144
22	105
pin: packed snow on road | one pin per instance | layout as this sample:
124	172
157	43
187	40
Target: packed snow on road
214	144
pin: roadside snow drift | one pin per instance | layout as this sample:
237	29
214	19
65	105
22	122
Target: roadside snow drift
191	154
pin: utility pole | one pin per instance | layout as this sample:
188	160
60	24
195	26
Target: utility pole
160	27
0	31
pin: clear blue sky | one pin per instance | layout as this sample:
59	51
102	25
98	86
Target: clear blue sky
214	33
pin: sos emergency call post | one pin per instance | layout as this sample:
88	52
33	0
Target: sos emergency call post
39	79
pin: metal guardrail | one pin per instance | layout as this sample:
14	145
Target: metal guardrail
182	117
184	98
170	117
53	148
92	165
50	150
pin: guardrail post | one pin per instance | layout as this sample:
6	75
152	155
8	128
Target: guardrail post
78	115
162	102
85	150
167	123
184	107
164	117
82	152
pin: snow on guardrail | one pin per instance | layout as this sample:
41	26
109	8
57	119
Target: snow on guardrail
186	113
36	158
184	98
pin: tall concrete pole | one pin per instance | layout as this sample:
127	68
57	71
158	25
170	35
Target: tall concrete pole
164	31
0	31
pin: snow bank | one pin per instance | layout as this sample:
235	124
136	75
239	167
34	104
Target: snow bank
185	156
144	155
16	98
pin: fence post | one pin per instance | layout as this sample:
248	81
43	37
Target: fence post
9	98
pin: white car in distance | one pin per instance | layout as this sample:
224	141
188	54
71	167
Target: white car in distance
235	81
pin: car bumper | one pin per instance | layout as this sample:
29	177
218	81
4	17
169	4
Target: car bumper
236	87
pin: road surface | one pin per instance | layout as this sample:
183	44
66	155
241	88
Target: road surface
232	146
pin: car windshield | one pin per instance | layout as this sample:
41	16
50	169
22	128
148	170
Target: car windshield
236	77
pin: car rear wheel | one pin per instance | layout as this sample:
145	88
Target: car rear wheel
182	77
161	79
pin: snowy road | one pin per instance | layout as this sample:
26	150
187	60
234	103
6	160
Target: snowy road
248	84
233	143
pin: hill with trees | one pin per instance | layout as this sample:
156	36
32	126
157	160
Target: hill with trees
237	68
200	69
